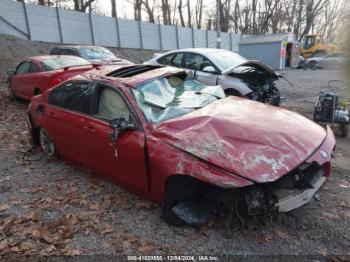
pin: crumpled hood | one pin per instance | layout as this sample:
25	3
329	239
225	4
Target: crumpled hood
256	64
250	139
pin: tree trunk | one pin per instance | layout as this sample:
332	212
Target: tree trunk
149	10
189	17
113	8
179	8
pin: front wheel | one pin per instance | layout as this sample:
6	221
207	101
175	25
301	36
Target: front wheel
313	65
46	143
275	97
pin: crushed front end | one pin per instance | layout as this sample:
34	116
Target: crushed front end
286	193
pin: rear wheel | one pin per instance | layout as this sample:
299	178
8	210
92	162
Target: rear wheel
46	143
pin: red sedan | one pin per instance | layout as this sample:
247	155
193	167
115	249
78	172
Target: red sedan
176	141
36	74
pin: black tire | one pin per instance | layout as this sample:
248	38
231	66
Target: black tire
344	130
313	65
174	193
46	143
274	97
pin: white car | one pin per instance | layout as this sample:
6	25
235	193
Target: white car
237	75
332	60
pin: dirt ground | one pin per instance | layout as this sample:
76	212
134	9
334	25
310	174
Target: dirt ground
49	208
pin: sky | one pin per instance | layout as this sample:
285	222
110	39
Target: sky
125	7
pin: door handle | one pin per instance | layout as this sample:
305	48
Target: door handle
90	129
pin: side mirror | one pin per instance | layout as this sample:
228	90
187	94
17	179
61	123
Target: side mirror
119	125
209	69
11	72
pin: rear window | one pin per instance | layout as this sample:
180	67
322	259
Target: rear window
96	53
55	62
132	70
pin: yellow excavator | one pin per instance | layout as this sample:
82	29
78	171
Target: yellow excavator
314	46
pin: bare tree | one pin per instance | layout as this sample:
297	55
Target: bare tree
137	10
313	8
189	17
113	8
149	10
199	13
166	12
182	20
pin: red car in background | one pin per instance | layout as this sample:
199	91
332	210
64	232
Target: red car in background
177	141
36	74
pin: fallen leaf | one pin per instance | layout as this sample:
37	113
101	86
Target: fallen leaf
4	207
145	248
14	249
107	229
49	250
146	205
3	244
67	251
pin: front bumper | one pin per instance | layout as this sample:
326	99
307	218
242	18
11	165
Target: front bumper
289	199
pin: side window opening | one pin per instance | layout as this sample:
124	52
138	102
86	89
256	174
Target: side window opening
23	68
177	60
196	62
111	105
166	60
75	96
33	68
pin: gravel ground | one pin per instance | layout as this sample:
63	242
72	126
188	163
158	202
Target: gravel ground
49	208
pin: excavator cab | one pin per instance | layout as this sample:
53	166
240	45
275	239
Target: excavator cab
310	41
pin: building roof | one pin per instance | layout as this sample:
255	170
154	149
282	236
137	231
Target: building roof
258	39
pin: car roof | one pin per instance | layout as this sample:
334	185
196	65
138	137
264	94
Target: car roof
199	50
104	73
45	57
76	46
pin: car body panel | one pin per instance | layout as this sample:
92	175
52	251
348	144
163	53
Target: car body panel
222	75
331	60
267	69
24	85
231	143
252	147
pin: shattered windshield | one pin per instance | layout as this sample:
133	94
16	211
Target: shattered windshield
165	98
226	59
96	53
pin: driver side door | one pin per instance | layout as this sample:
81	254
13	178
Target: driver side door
195	64
122	160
